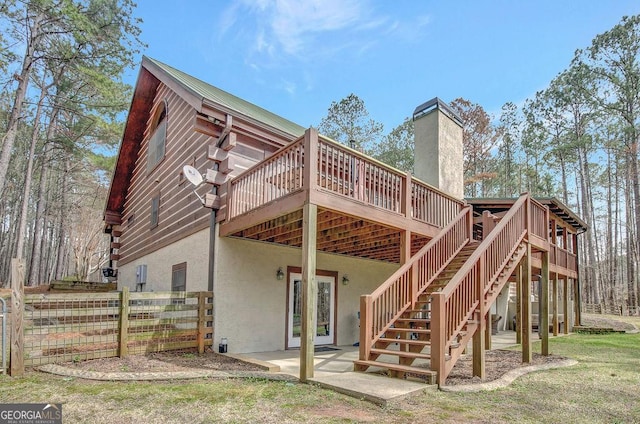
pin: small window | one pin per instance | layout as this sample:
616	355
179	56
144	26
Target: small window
158	138
179	277
155	210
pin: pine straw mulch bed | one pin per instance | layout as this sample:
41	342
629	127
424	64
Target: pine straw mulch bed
175	360
497	362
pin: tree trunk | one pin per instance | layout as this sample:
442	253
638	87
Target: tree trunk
635	178
36	271
23	83
62	233
28	177
590	262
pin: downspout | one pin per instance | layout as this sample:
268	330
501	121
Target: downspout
226	129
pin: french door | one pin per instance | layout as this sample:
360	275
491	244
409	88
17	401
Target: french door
325	306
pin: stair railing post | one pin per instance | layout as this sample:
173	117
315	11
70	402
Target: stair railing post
366	325
438	330
415	280
407	200
528	214
479	335
470	222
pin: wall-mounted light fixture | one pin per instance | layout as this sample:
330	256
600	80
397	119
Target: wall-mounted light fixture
345	279
279	273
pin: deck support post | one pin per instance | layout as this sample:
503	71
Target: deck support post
518	323
576	302
543	302
525	301
565	305
489	329
554	305
309	290
405	247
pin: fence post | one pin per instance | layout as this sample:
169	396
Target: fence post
16	362
124	322
201	321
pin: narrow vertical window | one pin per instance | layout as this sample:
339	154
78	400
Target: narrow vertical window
179	277
158	138
155	210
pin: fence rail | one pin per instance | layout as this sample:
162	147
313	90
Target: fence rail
603	308
80	326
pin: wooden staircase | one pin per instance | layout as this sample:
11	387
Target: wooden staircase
409	339
452	281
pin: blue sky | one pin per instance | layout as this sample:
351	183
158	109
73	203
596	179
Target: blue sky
296	57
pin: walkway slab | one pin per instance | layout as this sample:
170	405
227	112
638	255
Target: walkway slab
374	388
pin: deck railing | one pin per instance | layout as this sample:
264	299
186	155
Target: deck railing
463	297
562	258
271	179
349	173
431	206
342	171
539	219
401	290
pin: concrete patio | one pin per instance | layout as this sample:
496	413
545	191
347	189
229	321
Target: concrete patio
333	369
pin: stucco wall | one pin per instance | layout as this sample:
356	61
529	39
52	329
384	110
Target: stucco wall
438	152
192	249
250	302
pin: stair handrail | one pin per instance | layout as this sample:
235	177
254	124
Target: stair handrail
470	283
380	309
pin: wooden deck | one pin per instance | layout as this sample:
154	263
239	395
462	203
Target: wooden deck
365	208
318	195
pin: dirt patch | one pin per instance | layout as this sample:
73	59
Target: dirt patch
176	360
497	363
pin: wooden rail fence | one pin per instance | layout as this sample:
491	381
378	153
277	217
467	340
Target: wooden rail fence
602	308
79	326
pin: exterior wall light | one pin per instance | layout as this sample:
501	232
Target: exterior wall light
280	273
345	279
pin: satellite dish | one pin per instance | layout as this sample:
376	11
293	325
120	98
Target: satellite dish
192	174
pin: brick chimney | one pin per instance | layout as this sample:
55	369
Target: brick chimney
438	147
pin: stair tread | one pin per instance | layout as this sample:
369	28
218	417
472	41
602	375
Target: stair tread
396	367
404	354
425	320
410	330
405	341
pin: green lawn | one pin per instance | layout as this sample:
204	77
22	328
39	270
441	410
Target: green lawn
603	388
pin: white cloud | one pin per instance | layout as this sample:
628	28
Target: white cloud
289	86
300	28
299	34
